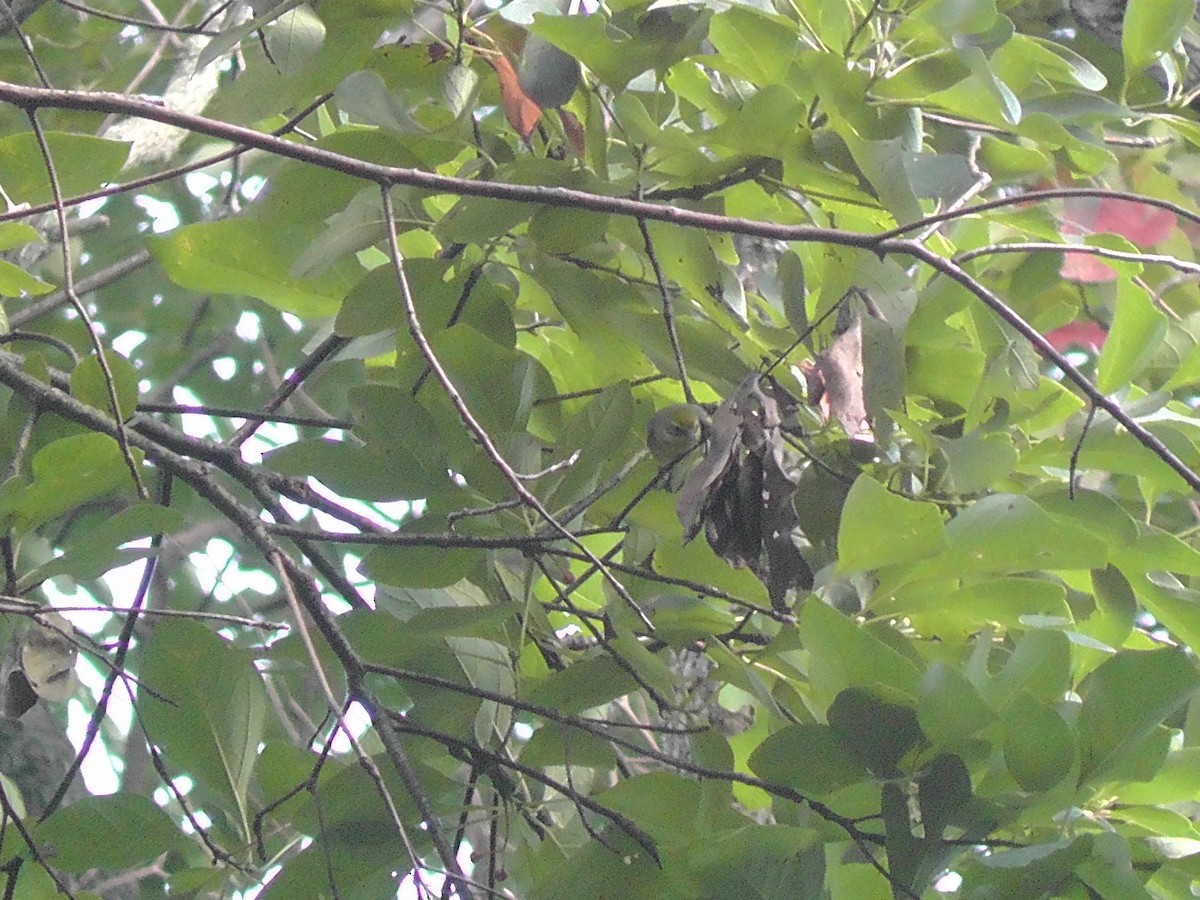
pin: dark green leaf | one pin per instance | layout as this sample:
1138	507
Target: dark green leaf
211	714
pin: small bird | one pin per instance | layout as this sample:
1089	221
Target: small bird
674	431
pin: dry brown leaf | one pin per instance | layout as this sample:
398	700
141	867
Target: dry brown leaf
841	368
742	494
724	434
523	114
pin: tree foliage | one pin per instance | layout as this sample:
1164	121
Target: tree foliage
339	350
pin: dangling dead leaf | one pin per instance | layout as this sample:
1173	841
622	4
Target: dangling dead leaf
724	434
742	494
841	373
523	114
786	567
784	564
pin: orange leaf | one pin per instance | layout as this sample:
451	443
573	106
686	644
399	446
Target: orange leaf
523	114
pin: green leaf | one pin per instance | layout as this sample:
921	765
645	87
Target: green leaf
1006	100
112	832
598	433
880	528
497	383
1125	700
212	712
89	384
355	862
1109	871
294	39
15	281
376	472
830	762
81	162
682	621
239	256
94	551
1024	872
419	567
396	426
69	472
950	710
1178	777
459	89
1152	27
231	37
977	461
696	561
662	803
619	51
1137	331
844	654
1039	745
359	226
945	609
17	234
1173	605
584	685
556	745
754	44
365	97
1010	533
879	733
760	863
1040	665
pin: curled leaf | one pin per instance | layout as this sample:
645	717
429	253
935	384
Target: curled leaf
522	113
742	494
838	380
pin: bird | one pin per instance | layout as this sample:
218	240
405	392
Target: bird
672	434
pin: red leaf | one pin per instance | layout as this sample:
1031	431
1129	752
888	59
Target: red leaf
1086	335
1138	223
1141	223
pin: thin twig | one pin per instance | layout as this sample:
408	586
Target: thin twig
327	348
668	311
1047	351
1033	197
103	278
138	23
1172	262
35	853
364	759
124	641
464	413
1074	467
228	412
69	289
